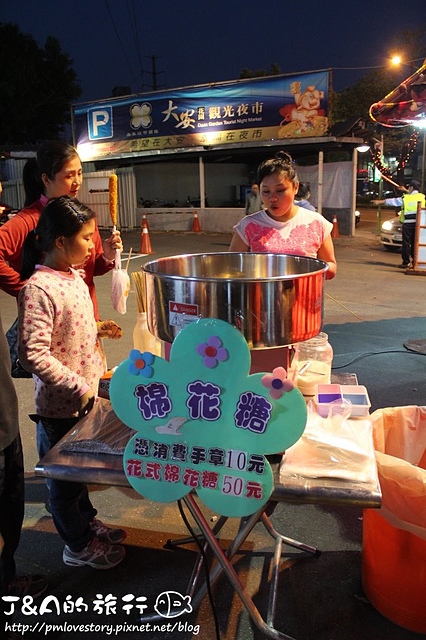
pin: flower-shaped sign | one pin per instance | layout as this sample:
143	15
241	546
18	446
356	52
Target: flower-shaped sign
203	423
141	115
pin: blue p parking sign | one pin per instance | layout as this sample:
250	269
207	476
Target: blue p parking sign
99	123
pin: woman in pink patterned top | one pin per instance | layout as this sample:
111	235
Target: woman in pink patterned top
59	345
283	226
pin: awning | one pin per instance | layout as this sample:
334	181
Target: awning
405	105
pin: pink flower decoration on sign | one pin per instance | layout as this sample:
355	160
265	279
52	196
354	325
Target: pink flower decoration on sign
277	382
212	351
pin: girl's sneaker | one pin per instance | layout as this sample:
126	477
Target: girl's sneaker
30	585
107	534
96	554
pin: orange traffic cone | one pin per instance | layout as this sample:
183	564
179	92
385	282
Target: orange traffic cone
145	239
196	223
335	230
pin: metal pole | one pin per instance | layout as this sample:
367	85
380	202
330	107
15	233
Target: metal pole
202	183
320	180
379	210
353	199
423	161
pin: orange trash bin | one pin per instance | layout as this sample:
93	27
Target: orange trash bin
394	572
394	537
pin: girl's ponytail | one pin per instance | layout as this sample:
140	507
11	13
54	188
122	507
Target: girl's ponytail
32	254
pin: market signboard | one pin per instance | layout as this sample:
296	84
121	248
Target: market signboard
241	111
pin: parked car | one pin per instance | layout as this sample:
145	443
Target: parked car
391	234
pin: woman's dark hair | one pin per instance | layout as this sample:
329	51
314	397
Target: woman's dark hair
33	185
281	162
304	190
51	157
62	216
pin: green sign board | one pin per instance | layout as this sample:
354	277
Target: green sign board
203	423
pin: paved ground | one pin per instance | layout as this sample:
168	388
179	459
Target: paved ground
324	598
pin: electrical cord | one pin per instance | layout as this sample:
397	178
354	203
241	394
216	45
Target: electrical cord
375	353
124	49
206	570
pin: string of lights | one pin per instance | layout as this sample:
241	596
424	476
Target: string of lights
378	158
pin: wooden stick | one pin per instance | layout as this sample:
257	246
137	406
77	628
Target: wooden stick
128	259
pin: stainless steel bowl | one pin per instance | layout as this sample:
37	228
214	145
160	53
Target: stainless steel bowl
273	299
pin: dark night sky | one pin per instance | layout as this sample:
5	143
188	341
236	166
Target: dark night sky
111	42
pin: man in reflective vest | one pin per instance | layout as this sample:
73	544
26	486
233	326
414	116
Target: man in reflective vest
408	203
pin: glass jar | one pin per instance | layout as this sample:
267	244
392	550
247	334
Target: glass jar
312	364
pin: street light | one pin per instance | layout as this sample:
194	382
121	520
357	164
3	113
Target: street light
398	60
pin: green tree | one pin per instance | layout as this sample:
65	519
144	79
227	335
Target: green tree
355	101
37	86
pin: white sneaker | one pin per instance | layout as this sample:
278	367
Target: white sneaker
96	554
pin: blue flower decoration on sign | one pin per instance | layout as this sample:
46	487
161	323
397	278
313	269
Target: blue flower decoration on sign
202	422
140	363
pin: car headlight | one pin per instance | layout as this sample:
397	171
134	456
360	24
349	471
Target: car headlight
387	225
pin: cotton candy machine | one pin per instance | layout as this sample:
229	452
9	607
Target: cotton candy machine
273	299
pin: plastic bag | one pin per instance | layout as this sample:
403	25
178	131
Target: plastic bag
99	432
400	441
333	447
120	286
17	370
